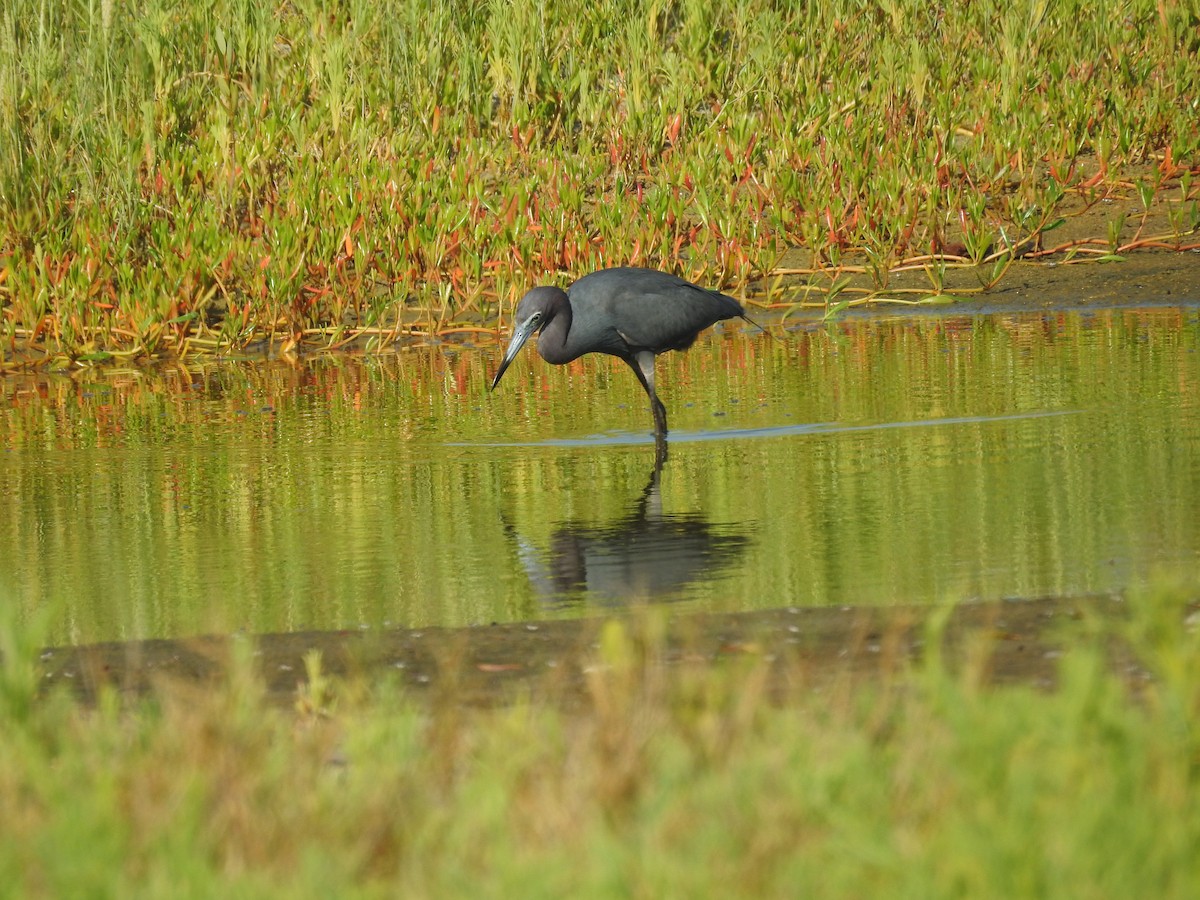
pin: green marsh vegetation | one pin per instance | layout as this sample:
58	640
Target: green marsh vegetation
180	178
687	780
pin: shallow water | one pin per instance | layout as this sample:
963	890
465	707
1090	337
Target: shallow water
885	461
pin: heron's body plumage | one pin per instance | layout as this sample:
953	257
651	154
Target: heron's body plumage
633	314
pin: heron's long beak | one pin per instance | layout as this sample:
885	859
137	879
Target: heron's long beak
520	336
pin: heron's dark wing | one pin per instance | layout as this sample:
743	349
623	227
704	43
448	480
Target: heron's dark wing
650	310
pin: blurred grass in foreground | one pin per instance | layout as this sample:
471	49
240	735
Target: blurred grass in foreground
699	782
184	177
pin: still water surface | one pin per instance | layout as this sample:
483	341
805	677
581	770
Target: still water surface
886	461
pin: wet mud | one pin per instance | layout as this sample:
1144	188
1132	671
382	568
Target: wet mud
803	649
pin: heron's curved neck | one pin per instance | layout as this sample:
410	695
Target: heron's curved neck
552	342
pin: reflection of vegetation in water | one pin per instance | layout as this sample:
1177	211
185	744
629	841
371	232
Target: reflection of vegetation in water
660	781
330	494
183	177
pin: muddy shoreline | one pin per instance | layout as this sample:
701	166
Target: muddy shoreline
809	649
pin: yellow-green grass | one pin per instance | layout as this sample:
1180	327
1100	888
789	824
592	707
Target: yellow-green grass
182	177
695	784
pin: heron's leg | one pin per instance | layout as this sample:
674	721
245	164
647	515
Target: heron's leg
643	366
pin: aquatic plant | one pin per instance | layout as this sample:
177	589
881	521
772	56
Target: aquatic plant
178	178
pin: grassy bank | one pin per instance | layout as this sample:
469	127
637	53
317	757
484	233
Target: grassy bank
697	784
185	177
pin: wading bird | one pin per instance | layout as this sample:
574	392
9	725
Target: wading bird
632	314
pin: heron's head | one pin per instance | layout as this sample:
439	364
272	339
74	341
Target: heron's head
534	312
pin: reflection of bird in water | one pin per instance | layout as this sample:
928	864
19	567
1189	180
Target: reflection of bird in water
632	314
644	555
